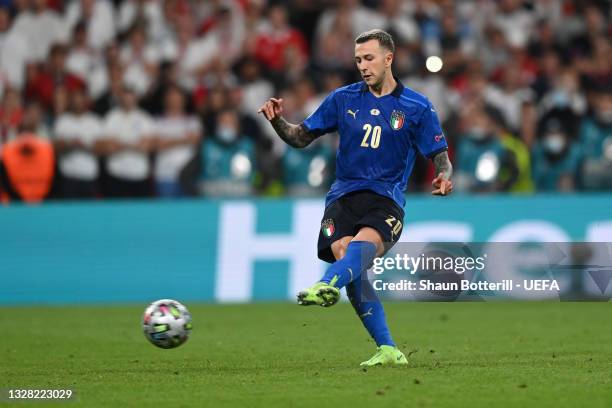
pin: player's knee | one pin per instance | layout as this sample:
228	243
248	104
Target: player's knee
339	247
371	235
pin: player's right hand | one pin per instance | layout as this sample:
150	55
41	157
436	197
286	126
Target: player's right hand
442	186
272	108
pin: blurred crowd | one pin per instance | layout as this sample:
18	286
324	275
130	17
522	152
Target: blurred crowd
141	98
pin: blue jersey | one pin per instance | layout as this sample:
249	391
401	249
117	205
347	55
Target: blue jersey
379	138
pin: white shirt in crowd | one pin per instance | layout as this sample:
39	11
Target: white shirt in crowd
14	56
136	74
41	31
79	164
130	10
170	162
101	25
89	65
129	127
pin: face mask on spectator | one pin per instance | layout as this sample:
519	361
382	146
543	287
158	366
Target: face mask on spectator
605	117
554	143
227	134
560	98
478	134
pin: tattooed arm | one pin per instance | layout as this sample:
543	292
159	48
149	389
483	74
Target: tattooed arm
444	170
293	135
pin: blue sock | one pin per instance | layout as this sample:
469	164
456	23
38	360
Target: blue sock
369	309
358	258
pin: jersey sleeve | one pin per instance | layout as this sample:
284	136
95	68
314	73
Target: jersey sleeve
325	118
429	137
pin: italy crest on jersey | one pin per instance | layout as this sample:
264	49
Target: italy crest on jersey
397	120
327	227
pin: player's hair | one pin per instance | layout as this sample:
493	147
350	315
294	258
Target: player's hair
384	38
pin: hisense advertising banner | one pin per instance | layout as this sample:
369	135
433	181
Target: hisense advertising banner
265	250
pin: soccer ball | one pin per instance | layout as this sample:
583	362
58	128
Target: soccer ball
166	323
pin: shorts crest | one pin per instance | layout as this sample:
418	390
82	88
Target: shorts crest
328	228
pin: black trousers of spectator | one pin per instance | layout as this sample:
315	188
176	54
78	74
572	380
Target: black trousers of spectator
75	188
121	188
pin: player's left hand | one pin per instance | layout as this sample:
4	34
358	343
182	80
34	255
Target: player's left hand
272	109
441	185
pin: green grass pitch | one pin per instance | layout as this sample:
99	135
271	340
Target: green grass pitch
281	355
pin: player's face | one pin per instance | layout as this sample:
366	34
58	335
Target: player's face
372	61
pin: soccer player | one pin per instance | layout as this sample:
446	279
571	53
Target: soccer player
382	126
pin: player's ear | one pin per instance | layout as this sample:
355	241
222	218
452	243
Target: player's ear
389	59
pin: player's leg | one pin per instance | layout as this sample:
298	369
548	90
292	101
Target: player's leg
322	293
358	256
337	226
372	314
378	227
370	310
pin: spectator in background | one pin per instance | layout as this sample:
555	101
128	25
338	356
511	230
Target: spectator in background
148	11
178	136
76	135
13	53
112	97
530	58
596	141
154	101
332	40
309	172
359	17
34	120
43	82
493	49
87	62
41	27
60	104
564	93
394	16
254	22
254	86
140	59
549	67
127	143
278	45
11	114
224	37
228	157
452	41
510	96
189	52
516	169
482	162
555	157
97	16
433	86
514	21
216	101
27	163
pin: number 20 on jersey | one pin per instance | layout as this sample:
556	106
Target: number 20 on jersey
374	132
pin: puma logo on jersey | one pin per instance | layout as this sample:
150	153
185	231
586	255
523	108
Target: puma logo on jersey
353	113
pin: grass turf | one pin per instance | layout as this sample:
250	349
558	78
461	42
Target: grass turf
461	354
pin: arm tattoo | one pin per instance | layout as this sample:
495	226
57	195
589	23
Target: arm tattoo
293	135
443	165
